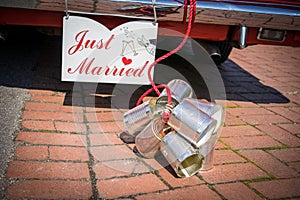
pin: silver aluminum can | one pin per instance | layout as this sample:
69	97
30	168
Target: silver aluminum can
147	141
182	156
138	117
192	123
215	111
179	91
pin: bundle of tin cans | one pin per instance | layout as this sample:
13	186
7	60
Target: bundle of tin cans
187	139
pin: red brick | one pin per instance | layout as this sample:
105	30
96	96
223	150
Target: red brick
233	172
226	156
70	127
38	125
232	120
52	138
20	169
102	153
37	106
104	116
236	191
178	182
270	164
119	187
72	109
276	189
104	139
248	111
41	92
280	134
264	119
101	109
229	131
191	193
295	109
59	116
267	105
31	152
287	155
119	168
220	145
251	142
53	107
106	127
49	189
246	104
287	113
68	153
292	128
295	166
49	99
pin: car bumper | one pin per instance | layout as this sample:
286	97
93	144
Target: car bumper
216	12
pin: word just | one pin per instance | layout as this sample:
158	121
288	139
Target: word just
83	43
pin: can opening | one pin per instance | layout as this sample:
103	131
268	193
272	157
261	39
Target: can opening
190	166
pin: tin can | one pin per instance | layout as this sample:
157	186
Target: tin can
215	111
182	156
192	123
147	141
138	117
179	91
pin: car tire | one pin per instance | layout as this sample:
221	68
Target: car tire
225	50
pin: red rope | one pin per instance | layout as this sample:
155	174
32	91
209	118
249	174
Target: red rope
192	13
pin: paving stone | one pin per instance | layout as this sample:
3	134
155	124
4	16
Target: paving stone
104	139
280	134
276	189
264	119
233	172
104	153
119	168
31	152
292	128
226	156
40	170
52	138
49	189
106	127
287	155
250	142
193	193
58	116
38	125
295	165
68	153
270	164
249	111
104	116
38	106
49	99
246	130
287	113
119	187
71	127
236	191
232	120
174	181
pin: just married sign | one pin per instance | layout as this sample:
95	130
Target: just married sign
93	53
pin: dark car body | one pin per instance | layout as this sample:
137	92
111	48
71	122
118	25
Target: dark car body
219	23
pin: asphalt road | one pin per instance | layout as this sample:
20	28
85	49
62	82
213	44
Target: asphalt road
18	58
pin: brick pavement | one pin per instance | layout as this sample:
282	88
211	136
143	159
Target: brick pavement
69	146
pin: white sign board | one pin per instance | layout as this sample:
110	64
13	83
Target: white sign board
93	53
